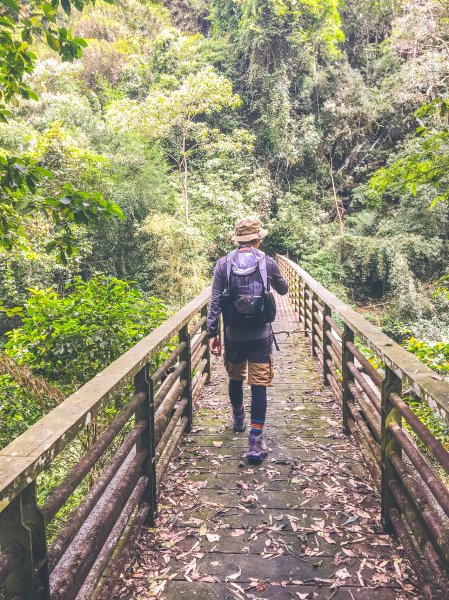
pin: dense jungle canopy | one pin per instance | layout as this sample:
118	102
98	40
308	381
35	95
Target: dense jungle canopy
134	133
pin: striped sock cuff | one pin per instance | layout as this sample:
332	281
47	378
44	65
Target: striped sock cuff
257	425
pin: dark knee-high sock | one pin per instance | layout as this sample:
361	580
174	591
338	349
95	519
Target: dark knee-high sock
236	395
258	408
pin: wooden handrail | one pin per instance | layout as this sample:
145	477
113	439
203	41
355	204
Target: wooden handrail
27	456
145	430
414	496
428	385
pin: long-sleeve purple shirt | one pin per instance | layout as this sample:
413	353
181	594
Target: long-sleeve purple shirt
275	280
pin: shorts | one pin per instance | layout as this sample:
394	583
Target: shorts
258	355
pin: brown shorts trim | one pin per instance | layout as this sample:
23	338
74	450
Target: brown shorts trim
260	373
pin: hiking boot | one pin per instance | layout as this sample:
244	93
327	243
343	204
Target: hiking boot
239	421
258	449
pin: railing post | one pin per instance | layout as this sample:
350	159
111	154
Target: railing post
314	325
296	291
300	302
290	284
305	298
145	412
347	376
391	384
326	341
23	523
186	355
207	355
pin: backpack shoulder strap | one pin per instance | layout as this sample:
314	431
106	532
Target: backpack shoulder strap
229	258
263	270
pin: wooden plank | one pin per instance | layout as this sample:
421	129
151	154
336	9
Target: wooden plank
253	540
226	453
295	498
283	568
183	590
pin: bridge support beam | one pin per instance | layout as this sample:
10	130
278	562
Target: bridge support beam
22	524
326	355
347	376
207	354
314	325
186	355
144	383
389	414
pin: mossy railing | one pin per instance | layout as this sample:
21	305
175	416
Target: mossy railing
415	499
89	550
134	448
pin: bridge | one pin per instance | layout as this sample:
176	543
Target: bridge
351	502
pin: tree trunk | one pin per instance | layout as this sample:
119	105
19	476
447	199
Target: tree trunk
184	173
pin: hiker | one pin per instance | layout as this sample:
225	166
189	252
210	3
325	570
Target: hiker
240	292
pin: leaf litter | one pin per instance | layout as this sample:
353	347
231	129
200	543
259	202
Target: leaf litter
218	516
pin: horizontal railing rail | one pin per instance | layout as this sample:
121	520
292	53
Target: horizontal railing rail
409	465
129	457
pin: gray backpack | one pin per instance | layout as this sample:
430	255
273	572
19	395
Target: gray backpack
247	301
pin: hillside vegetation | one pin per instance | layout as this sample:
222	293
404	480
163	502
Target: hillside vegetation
129	147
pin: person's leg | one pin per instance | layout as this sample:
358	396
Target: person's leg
258	408
235	363
260	375
236	396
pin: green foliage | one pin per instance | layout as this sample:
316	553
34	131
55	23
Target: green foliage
20	27
140	183
18	409
68	339
426	164
20	179
174	118
165	115
20	176
399	331
24	398
435	356
436	426
176	255
225	188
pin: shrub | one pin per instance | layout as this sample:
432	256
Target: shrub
434	355
24	398
68	339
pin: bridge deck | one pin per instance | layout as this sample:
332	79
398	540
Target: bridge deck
304	524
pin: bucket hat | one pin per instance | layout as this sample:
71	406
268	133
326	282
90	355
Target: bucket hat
249	229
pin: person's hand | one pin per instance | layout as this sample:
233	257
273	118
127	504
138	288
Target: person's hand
215	345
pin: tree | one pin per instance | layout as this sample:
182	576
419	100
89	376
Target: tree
20	176
427	162
20	27
176	257
275	43
177	118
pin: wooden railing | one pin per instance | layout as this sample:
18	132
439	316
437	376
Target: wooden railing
132	453
415	494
